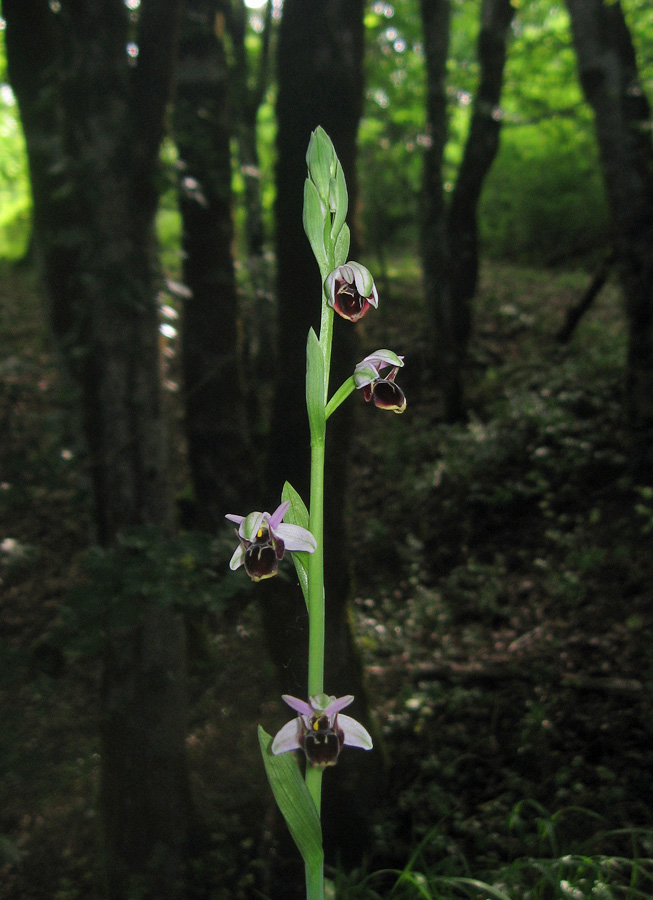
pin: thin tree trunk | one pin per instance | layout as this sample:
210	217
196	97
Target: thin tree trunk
221	460
609	76
436	15
248	99
481	148
148	819
450	237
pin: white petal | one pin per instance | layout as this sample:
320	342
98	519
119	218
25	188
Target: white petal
355	734
300	706
346	273
295	537
329	283
388	357
287	738
238	558
365	373
364	282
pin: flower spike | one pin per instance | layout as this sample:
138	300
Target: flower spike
320	731
264	539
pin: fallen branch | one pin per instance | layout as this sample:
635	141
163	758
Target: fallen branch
575	314
469	674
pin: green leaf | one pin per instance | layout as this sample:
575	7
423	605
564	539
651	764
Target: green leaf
329	246
342	247
294	801
315	217
339	201
297	515
315	386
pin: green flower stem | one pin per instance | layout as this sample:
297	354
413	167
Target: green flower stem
315	880
316	572
345	389
316	612
315	567
326	337
315	562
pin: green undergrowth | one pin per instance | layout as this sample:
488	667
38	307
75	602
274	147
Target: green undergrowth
615	865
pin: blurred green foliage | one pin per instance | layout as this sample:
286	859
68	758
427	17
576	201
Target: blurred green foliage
593	870
14	180
543	201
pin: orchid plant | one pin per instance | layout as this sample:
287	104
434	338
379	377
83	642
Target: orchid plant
321	730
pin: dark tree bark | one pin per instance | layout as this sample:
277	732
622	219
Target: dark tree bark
436	16
94	203
93	121
481	148
149	825
249	89
320	53
609	76
450	236
221	460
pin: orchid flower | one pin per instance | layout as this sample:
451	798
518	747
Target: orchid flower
264	539
382	391
320	731
351	291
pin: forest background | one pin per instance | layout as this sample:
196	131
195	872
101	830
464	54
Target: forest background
498	575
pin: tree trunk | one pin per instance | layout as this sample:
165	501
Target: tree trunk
450	237
221	460
248	90
436	15
481	148
609	76
147	811
320	52
93	121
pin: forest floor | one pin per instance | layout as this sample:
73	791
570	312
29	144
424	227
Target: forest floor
503	598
